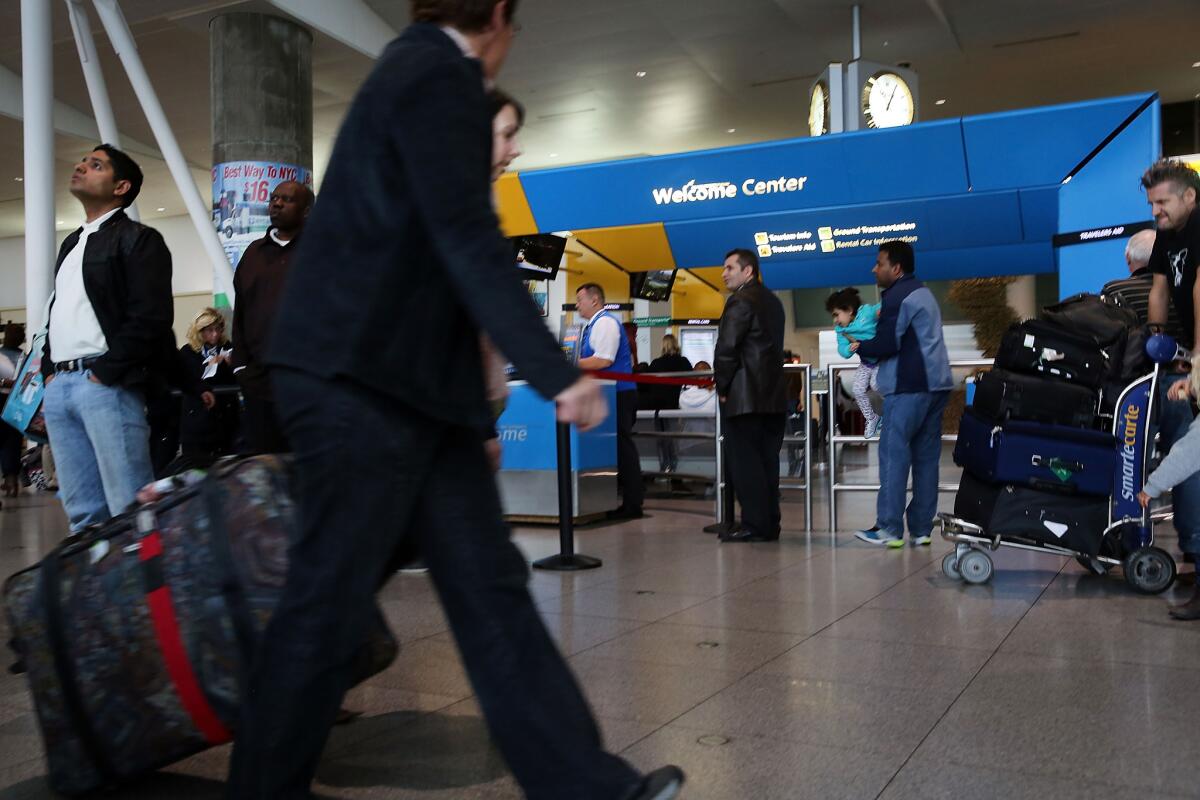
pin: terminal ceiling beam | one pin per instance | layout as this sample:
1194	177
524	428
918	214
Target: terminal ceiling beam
351	22
198	209
67	119
97	88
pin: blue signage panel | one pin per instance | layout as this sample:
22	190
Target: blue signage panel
917	161
528	434
965	220
1039	146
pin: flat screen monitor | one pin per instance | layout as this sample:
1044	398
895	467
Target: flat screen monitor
538	255
654	285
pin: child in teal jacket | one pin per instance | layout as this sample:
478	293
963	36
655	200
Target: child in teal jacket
854	321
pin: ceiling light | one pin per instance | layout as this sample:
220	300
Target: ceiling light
641	74
941	102
160	209
732	130
58	222
18	180
1195	64
554	155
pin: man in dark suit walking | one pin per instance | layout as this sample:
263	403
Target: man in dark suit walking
753	395
403	263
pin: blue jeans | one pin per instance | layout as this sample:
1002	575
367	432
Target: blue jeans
101	444
911	438
1174	418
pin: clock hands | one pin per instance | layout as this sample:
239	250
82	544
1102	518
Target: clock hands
890	96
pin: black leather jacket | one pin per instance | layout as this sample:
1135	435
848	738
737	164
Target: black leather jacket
127	277
749	353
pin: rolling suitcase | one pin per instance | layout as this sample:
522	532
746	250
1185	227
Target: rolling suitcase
1002	395
1074	522
137	635
1035	347
1052	457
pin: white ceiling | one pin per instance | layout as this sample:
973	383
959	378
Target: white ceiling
712	65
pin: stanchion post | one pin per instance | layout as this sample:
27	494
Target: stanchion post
724	490
808	454
833	429
567	560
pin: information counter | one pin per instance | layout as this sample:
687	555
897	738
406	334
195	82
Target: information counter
528	476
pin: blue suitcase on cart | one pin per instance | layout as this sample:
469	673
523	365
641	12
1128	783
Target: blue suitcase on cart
1035	454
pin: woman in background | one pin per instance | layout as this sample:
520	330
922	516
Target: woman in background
209	422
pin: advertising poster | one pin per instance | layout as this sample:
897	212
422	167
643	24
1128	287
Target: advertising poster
241	192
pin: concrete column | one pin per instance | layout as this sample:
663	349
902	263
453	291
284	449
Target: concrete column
1022	296
37	85
261	90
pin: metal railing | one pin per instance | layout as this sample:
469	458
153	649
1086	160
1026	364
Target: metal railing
835	438
720	484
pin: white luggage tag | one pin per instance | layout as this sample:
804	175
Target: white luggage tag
1057	528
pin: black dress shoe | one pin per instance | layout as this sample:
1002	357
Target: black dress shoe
744	536
719	527
662	784
624	513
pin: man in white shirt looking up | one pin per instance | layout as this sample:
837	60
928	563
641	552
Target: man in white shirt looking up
108	333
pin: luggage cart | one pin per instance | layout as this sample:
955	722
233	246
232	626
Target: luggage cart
1128	541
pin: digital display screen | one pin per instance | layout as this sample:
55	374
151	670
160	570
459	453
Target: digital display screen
654	285
538	255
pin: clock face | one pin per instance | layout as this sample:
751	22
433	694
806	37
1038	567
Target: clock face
887	102
818	110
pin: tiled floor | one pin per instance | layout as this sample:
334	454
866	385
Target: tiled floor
790	670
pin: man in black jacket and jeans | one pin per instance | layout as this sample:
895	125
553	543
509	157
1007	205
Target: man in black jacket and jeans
109	324
403	263
753	395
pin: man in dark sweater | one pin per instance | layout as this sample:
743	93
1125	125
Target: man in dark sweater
258	284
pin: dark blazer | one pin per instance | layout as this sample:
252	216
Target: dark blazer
749	355
402	260
127	277
660	395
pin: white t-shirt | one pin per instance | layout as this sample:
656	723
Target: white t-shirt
605	336
74	330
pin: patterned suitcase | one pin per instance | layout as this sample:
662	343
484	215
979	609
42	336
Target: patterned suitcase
1051	457
1001	395
136	635
1035	347
1074	522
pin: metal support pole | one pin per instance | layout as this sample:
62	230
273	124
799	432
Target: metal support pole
724	492
106	122
832	401
37	85
566	560
201	213
808	476
856	41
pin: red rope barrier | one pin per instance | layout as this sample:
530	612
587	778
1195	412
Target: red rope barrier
633	377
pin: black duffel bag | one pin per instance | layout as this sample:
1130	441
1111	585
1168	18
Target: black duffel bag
1038	347
1118	330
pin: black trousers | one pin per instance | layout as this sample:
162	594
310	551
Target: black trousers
261	429
629	466
428	480
752	445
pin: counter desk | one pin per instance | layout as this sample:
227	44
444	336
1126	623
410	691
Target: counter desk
528	477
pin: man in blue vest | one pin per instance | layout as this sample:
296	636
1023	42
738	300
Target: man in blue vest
604	346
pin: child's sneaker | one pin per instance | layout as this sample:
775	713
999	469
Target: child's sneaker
873	428
874	535
921	541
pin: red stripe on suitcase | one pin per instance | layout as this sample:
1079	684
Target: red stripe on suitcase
170	643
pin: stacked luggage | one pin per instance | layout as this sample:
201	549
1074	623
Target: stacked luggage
1037	468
